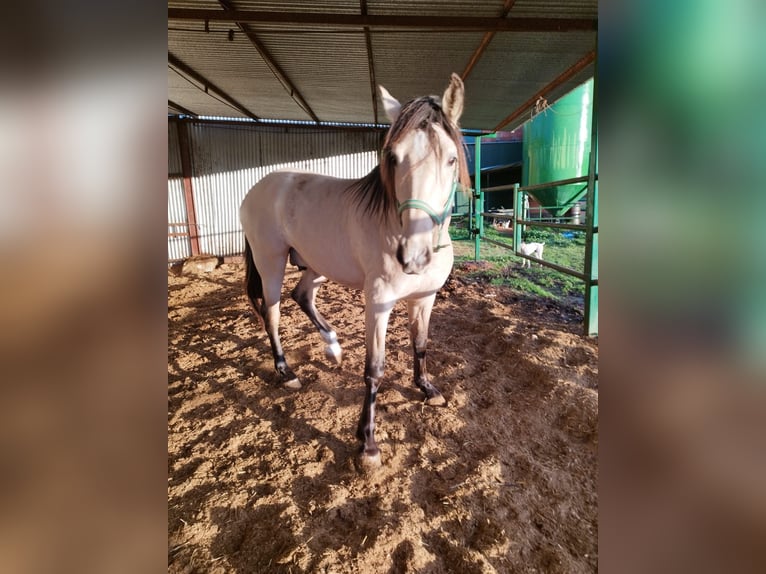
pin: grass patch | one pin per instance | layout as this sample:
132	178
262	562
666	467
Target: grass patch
501	267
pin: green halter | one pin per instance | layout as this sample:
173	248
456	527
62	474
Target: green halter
438	218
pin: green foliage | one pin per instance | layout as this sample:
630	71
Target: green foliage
536	235
460	232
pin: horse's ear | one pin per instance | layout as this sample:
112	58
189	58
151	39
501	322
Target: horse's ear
390	104
452	100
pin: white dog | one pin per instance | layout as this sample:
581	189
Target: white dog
532	249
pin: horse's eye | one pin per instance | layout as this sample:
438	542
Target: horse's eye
452	160
423	124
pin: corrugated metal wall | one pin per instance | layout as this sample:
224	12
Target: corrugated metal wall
227	160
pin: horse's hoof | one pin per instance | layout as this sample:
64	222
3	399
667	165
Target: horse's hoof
436	400
369	462
433	396
333	353
292	384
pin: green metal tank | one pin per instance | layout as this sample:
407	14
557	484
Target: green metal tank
556	146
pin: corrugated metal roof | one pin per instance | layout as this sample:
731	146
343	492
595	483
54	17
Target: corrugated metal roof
328	66
235	67
322	63
439	55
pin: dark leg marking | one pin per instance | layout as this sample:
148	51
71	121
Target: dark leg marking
419	317
286	375
433	396
365	430
305	295
255	293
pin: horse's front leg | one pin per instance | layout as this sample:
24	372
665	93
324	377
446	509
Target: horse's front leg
376	323
419	311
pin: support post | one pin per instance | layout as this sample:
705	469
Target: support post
186	173
591	223
478	201
518	202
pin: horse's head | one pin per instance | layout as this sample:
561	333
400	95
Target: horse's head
422	160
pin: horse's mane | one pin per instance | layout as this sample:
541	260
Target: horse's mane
375	192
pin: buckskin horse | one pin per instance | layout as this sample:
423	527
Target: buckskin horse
385	234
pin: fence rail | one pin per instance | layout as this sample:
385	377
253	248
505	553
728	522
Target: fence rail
520	218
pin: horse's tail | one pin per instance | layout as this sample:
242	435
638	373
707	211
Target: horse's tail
253	282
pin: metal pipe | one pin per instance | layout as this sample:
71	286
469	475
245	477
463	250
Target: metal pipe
548	184
537	186
280	126
457	23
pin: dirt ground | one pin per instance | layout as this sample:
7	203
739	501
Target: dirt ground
262	479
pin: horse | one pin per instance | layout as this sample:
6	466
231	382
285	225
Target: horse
385	234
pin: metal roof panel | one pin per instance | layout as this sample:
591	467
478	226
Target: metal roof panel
237	68
329	65
329	69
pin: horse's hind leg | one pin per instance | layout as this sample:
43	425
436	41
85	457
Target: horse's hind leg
305	295
264	289
419	311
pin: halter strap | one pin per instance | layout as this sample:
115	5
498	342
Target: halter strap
438	218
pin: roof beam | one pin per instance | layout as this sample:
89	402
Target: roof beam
178	64
275	68
565	76
485	42
180	108
455	23
370	63
282	125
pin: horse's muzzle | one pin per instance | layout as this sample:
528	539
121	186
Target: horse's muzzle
413	261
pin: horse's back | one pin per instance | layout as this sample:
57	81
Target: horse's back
307	212
276	198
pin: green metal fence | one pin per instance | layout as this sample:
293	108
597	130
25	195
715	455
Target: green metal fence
520	218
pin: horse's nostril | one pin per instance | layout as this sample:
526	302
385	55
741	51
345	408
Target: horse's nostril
400	255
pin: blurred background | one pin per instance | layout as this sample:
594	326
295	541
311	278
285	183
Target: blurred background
683	334
82	326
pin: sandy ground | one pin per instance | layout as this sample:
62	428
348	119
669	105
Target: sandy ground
261	479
